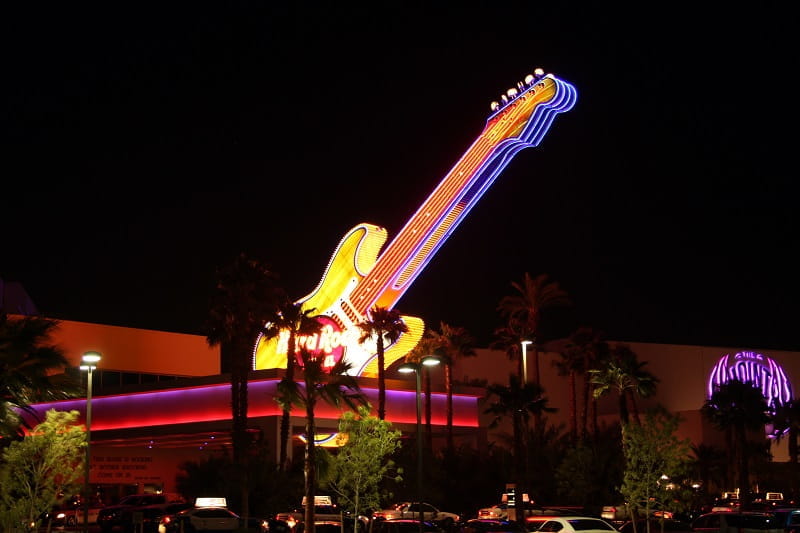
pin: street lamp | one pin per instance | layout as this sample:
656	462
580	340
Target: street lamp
525	360
90	360
416	368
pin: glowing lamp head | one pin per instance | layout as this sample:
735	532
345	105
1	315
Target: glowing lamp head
91	358
410	368
407	368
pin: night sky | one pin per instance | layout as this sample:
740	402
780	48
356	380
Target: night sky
148	144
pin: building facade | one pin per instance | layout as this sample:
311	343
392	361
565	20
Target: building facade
159	398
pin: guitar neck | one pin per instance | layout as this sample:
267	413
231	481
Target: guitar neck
522	123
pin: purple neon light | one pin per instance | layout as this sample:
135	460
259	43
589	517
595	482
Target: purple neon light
754	368
212	403
533	133
535	129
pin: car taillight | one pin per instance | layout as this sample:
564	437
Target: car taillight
166	520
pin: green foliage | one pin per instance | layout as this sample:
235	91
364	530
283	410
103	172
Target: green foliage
654	460
32	370
270	489
587	474
39	469
358	468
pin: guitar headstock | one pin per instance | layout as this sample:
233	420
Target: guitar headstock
514	92
529	108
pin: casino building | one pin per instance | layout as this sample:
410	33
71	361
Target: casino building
160	398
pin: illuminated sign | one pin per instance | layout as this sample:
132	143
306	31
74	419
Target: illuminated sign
360	277
756	369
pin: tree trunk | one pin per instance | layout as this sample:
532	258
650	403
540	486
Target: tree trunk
428	414
381	378
286	416
623	409
448	384
744	468
573	416
310	463
239	405
634	407
584	405
537	416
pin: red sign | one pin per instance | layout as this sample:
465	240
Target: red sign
328	343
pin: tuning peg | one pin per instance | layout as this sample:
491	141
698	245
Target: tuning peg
495	106
520	86
504	98
512	92
538	73
529	79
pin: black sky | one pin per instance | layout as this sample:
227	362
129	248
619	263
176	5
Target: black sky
146	145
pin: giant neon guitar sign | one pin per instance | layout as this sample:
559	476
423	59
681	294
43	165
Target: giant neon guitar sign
357	279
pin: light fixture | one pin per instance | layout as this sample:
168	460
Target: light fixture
525	360
416	368
90	360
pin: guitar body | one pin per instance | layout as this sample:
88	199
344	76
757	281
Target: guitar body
351	262
358	279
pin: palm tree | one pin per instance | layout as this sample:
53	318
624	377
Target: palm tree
452	343
591	348
31	371
622	373
523	311
520	402
292	318
569	363
335	388
384	326
508	338
786	423
708	465
245	298
739	407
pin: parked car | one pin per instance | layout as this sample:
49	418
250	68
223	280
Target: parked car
574	524
481	525
325	510
73	515
669	524
726	505
535	521
736	522
405	525
621	513
151	515
205	515
500	510
412	510
788	519
121	516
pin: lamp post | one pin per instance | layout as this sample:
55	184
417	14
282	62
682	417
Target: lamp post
525	360
416	368
90	360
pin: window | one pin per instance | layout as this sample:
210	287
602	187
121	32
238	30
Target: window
551	526
589	523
